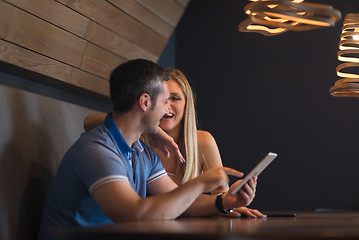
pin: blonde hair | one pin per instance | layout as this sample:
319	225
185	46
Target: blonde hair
188	136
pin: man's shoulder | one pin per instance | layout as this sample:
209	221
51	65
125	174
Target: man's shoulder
97	138
148	152
93	146
147	149
100	132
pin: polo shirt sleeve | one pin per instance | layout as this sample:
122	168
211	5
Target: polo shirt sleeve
157	169
98	164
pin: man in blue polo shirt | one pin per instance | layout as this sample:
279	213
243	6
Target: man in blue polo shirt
109	175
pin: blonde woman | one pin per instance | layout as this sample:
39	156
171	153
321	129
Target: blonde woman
198	148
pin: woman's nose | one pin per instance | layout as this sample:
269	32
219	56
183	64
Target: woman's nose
168	107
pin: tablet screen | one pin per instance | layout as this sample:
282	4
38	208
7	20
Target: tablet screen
257	170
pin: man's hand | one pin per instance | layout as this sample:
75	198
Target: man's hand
216	179
244	196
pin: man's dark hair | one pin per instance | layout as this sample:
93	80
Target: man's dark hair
133	78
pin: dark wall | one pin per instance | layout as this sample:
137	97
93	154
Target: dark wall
38	125
257	94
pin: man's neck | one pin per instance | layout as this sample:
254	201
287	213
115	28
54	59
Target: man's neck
128	126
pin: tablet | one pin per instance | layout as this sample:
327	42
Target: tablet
257	170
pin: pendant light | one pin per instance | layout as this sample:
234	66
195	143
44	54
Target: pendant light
348	53
273	17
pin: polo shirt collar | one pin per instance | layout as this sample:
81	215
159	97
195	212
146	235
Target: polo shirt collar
120	141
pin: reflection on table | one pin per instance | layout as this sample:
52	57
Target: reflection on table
306	225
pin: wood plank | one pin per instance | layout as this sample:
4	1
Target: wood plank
143	15
112	18
183	3
116	44
33	33
62	1
168	10
55	13
99	61
32	61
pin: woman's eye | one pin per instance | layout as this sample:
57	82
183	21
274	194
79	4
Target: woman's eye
175	98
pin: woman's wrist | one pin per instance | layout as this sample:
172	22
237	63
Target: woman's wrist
220	204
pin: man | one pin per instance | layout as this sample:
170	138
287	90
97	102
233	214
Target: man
108	175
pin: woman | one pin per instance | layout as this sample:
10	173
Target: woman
198	147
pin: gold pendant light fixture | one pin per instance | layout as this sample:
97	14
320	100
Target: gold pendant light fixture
273	17
348	53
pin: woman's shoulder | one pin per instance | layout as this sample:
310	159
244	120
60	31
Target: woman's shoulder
209	155
205	138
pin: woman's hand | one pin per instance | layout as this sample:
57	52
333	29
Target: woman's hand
245	212
243	198
165	142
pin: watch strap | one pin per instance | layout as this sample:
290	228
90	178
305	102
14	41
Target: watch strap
219	204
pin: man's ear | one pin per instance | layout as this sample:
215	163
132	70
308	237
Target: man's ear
145	102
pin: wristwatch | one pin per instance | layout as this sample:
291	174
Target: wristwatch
219	204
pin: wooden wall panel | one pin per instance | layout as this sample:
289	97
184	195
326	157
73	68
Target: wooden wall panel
110	17
117	44
183	3
168	10
79	42
56	13
144	16
32	61
24	29
100	61
62	1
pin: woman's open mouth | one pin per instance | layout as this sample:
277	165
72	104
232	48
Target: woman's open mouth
168	116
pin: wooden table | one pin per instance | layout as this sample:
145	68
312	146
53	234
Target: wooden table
306	225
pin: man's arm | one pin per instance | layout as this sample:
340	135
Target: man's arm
205	204
121	203
93	120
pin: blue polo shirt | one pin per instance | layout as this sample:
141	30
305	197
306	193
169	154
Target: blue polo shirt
98	157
